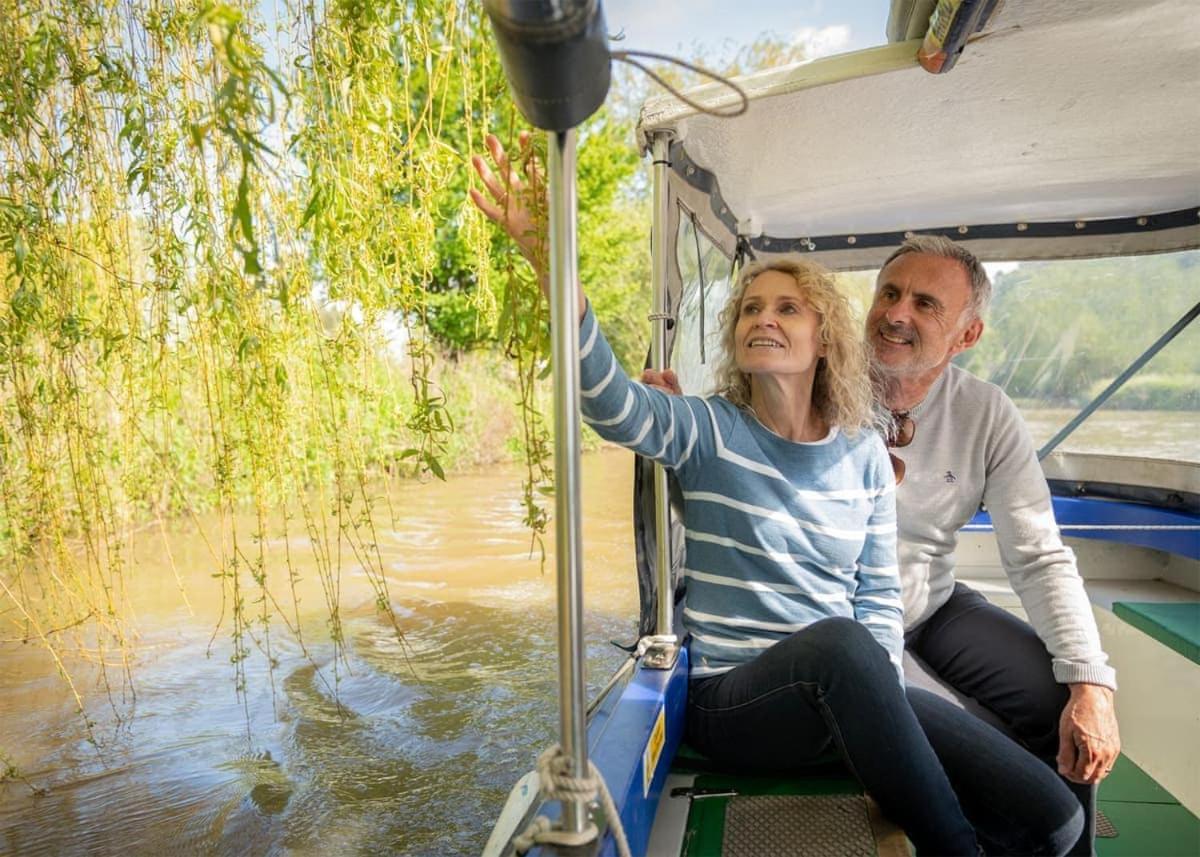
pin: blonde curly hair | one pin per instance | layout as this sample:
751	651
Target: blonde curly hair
842	391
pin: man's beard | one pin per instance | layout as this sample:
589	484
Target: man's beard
912	366
878	367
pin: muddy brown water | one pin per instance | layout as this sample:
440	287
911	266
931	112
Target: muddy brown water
421	755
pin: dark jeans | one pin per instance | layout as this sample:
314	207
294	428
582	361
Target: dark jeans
985	652
831	685
1016	804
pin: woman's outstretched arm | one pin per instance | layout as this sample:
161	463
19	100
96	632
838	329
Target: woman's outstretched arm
665	428
668	429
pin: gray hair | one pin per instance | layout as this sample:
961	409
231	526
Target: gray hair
936	245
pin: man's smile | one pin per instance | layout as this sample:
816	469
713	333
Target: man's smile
895	338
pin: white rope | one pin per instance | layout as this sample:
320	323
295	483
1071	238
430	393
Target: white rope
1181	528
554	770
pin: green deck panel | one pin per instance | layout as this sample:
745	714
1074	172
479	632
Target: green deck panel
1150	822
1149	830
1174	624
705	828
1130	784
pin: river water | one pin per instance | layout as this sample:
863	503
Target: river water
415	750
427	742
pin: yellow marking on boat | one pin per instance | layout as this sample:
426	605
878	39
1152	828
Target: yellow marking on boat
650	756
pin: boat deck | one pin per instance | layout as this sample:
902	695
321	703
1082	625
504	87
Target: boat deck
1138	817
713	812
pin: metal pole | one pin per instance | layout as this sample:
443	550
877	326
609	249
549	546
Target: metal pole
564	333
1118	382
664	648
660	151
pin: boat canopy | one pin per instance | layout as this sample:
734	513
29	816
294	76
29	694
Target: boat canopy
1066	129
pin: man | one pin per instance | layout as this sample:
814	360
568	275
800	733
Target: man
962	442
966	444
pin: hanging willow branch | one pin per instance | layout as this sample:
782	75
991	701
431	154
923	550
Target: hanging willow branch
207	230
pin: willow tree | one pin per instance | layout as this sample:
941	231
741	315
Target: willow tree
215	221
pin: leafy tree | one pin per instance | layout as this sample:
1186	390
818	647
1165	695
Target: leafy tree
1060	331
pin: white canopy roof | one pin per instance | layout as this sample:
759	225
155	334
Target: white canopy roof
1075	111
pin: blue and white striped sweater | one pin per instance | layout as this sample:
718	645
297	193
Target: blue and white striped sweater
779	534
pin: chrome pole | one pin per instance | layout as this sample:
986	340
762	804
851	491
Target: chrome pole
568	559
660	150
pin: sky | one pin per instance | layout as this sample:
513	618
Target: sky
720	26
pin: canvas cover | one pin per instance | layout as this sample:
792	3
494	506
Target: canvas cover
1075	113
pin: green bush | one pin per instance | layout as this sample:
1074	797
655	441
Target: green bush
1153	393
454	321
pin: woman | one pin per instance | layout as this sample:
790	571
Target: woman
793	598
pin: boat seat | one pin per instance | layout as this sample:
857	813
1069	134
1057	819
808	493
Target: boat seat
1174	624
688	758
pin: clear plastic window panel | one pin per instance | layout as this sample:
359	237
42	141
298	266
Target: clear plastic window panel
694	357
1058	333
1157	413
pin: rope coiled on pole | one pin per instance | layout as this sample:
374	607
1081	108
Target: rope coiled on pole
557	783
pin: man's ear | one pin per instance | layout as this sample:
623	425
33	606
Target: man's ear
969	336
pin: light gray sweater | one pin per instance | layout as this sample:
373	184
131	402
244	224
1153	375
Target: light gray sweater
971	445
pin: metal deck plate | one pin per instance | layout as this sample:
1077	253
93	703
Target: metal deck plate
1105	829
809	825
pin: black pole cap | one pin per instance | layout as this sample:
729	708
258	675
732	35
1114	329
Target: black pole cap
555	55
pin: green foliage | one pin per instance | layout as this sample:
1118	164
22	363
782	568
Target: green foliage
215	241
1059	330
232	258
1153	393
453	319
614	225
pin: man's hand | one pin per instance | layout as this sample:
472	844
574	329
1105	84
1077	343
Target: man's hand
1088	739
512	200
666	381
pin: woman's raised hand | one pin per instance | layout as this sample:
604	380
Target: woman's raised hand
513	204
511	200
